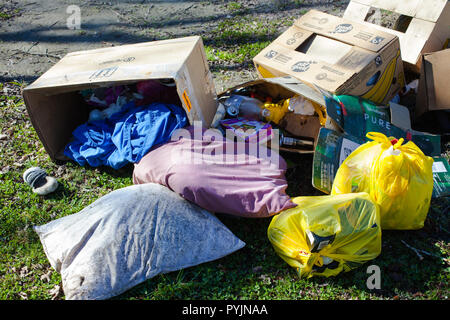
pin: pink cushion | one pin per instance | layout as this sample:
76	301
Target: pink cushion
206	169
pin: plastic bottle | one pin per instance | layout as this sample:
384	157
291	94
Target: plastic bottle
237	105
274	112
220	114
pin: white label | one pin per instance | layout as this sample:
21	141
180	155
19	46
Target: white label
438	167
348	147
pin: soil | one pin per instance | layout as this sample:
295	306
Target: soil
35	34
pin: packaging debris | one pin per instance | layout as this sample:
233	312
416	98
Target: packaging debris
397	176
422	26
302	115
337	55
441	177
326	85
357	117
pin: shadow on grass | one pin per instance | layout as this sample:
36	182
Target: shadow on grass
243	274
257	272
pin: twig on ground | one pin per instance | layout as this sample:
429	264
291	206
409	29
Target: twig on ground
34	44
417	251
39	54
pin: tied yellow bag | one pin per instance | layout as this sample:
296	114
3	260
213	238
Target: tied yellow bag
398	177
326	235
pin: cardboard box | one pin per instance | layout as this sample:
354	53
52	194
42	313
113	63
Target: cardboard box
427	31
434	86
392	120
56	108
284	88
332	149
338	55
333	146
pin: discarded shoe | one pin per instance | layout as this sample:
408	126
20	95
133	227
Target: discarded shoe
39	181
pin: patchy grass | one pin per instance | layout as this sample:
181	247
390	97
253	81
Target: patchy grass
254	272
8	11
237	40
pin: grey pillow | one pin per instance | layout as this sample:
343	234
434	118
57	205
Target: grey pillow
131	235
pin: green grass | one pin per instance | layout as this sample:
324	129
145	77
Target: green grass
254	272
238	39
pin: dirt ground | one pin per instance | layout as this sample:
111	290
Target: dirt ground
34	35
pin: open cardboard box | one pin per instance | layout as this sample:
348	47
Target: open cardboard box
284	88
423	25
337	55
56	108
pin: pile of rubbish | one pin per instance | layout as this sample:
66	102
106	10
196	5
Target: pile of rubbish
376	172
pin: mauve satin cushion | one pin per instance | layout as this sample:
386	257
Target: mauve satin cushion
206	169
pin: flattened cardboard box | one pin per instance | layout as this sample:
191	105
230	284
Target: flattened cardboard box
338	55
427	24
56	108
434	85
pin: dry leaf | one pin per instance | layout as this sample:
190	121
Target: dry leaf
23	295
55	292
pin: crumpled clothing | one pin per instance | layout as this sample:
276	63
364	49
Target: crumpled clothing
126	136
154	91
103	97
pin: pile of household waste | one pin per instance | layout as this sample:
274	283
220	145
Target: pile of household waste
187	168
165	222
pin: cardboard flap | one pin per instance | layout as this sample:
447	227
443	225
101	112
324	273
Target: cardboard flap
345	30
158	59
400	116
299	87
437	69
429	10
289	83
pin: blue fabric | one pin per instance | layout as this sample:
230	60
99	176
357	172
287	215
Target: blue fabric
126	136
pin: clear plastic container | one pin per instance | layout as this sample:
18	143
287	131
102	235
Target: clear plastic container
237	105
300	105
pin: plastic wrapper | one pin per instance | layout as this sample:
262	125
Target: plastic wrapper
398	177
326	235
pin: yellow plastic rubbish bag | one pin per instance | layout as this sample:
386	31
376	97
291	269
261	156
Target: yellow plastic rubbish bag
398	177
326	235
